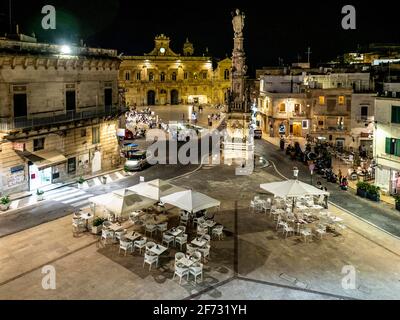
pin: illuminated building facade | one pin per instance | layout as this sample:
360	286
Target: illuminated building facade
58	115
164	77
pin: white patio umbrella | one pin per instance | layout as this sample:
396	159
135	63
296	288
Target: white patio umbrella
155	189
122	202
191	201
292	189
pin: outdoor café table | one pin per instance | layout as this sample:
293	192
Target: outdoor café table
155	219
199	242
118	227
132	236
158	249
85	216
187	262
174	232
209	224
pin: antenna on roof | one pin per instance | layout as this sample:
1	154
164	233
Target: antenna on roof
308	54
10	15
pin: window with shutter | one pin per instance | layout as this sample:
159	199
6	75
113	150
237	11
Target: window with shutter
387	145
397	148
395	114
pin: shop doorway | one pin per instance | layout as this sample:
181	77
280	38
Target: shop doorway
39	178
151	97
174	97
297	130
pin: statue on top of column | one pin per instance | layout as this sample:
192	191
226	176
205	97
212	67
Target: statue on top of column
238	23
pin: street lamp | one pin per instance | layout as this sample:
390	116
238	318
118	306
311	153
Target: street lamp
295	172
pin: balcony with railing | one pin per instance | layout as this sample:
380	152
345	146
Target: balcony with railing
365	119
32	121
331	129
300	114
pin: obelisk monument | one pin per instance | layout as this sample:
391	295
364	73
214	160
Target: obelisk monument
238	96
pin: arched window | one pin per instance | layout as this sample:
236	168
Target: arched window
127	76
173	76
195	76
162	76
151	76
226	74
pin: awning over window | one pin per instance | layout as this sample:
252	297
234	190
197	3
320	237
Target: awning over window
44	159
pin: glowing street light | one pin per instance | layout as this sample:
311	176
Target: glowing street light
65	49
295	172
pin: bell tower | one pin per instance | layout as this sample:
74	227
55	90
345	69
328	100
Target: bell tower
188	48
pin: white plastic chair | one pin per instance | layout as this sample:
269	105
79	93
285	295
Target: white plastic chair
181	271
168	239
218	232
179	256
201	230
196	255
162	228
252	206
321	230
182	240
150	228
205	252
266	206
140	244
287	230
196	270
119	234
190	249
184	220
150	259
106	235
78	225
306	233
125	245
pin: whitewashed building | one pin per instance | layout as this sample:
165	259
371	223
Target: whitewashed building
387	144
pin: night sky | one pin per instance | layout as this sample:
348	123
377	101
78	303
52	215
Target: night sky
273	28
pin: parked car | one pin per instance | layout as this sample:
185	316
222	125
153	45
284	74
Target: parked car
137	161
257	134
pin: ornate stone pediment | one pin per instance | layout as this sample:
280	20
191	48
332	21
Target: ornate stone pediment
161	47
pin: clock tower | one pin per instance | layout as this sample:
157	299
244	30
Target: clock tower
161	47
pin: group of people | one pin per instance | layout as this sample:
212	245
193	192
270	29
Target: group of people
140	120
213	117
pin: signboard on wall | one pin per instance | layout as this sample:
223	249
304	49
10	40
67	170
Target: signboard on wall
120	132
17	169
18	146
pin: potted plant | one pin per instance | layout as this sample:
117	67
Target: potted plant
97	225
373	193
397	201
80	182
39	195
362	189
5	203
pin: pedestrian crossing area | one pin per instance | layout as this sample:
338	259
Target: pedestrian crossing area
70	196
112	177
